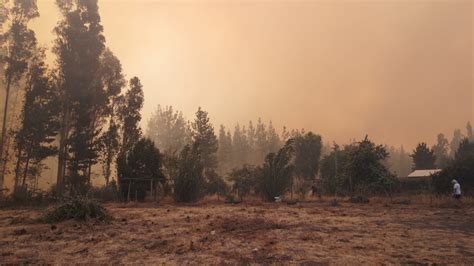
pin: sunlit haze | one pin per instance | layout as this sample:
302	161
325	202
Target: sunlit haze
400	71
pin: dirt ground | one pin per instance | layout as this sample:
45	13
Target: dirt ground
311	233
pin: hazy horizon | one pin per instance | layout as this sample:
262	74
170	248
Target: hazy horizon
400	72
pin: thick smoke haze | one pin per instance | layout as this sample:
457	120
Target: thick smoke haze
400	71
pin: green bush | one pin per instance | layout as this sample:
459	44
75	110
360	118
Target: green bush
189	183
106	193
136	168
216	185
244	179
274	177
22	196
80	209
461	169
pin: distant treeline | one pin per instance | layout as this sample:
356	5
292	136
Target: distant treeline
83	111
249	144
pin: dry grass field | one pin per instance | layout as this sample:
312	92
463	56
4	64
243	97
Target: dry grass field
310	233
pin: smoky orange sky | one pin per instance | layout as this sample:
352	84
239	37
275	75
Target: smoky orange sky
400	71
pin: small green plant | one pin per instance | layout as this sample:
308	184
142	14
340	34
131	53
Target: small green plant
80	209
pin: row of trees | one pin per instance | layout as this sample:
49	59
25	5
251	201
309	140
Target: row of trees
356	168
442	153
297	161
250	144
77	109
192	153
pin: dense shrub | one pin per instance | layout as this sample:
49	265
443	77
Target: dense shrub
215	184
244	180
141	164
357	168
22	196
189	183
461	169
106	193
274	177
80	209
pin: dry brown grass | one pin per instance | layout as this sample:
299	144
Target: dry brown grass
309	233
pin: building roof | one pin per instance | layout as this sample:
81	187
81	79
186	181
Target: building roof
424	173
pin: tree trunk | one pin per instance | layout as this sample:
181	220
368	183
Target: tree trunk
3	161
25	172
62	150
108	164
89	173
17	167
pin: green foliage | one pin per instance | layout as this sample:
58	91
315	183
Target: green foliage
469	131
274	177
205	141
244	180
364	165
240	147
189	183
17	47
440	151
39	122
19	41
105	193
79	209
225	150
216	185
360	168
461	169
399	162
169	130
22	196
332	171
307	148
142	163
79	45
423	157
130	114
455	142
112	81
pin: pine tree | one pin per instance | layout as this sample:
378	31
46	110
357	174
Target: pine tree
240	147
440	151
423	157
261	141
274	142
455	141
130	115
205	140
470	135
251	140
225	150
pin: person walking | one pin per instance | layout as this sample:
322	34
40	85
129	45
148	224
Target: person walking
456	189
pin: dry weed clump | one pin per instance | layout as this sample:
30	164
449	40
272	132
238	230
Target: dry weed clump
80	209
